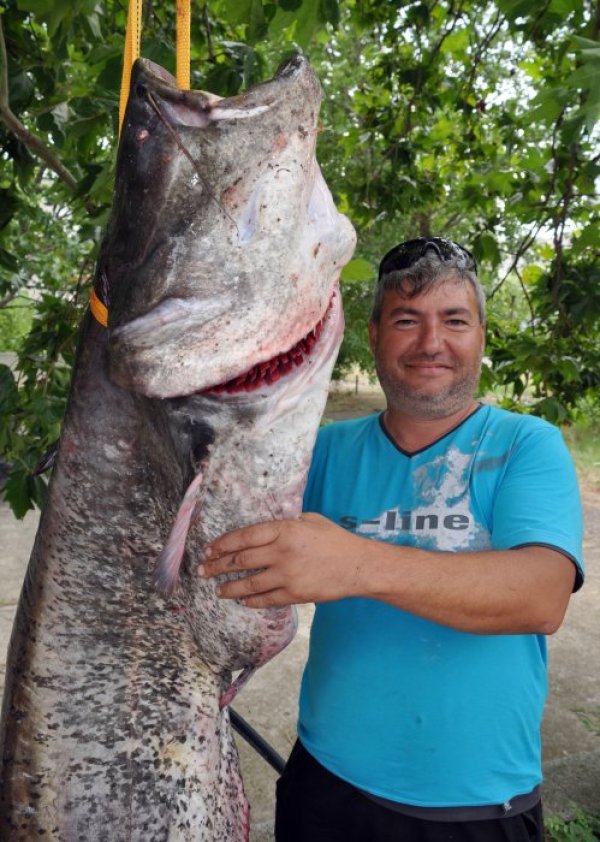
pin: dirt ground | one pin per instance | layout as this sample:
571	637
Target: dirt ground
268	702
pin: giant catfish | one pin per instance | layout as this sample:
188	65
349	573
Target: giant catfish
194	411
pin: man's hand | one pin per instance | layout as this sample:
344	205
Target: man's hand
519	591
309	559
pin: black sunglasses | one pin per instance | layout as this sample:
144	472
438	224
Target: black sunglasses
406	254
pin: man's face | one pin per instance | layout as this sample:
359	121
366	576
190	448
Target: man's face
428	350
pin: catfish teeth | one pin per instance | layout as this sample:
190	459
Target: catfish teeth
272	370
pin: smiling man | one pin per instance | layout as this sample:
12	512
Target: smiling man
441	544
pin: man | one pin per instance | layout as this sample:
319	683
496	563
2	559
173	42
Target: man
450	545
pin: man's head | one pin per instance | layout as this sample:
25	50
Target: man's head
427	328
415	266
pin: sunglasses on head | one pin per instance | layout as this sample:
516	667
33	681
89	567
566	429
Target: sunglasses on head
406	254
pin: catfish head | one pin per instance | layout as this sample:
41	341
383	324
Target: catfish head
224	249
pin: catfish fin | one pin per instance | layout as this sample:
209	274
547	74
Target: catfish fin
168	565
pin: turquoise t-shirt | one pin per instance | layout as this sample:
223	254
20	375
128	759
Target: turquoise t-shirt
403	707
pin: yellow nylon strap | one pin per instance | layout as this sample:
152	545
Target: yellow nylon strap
133	38
99	311
183	44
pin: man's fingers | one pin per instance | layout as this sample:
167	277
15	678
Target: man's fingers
247	586
231	563
256	535
272	599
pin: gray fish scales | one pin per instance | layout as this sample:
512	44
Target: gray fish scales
192	413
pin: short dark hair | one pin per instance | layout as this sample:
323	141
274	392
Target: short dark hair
416	266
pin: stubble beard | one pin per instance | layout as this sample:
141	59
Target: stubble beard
407	400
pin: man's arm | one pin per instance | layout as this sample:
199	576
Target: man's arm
311	559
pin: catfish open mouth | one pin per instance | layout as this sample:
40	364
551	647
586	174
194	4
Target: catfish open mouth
270	371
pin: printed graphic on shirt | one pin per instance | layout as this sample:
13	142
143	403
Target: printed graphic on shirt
440	515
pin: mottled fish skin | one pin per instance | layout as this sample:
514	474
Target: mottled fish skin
113	729
115	723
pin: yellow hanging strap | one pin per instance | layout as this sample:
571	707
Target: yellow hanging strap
132	51
183	44
133	37
133	42
99	311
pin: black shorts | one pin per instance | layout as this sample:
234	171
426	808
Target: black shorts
313	805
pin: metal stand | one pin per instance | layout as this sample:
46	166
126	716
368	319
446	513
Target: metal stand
258	743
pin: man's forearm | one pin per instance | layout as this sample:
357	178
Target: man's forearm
313	560
493	592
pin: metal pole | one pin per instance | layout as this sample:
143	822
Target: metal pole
258	743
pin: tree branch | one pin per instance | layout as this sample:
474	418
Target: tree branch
4	302
526	242
527	298
484	43
34	143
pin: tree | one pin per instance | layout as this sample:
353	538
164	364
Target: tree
473	119
477	120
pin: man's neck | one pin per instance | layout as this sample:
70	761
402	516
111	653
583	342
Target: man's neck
412	433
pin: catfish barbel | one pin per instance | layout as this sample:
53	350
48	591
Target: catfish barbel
192	413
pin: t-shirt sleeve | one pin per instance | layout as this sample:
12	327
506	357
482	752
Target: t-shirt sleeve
538	500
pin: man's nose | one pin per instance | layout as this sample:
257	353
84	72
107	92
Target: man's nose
430	338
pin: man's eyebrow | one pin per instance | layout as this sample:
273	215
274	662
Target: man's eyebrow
457	311
414	311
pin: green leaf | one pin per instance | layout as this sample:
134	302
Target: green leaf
19	491
531	274
457	42
308	20
9	204
591	55
533	68
257	23
37	7
358	269
330	12
552	410
590	236
240	11
8	260
9	394
514	9
21	90
485	249
563	7
94	25
109	77
548	104
584	43
584	76
569	369
442	129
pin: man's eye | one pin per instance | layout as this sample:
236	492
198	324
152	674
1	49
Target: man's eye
457	323
404	322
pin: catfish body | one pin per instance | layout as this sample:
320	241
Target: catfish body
219	271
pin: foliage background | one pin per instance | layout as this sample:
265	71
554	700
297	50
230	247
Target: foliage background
472	119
